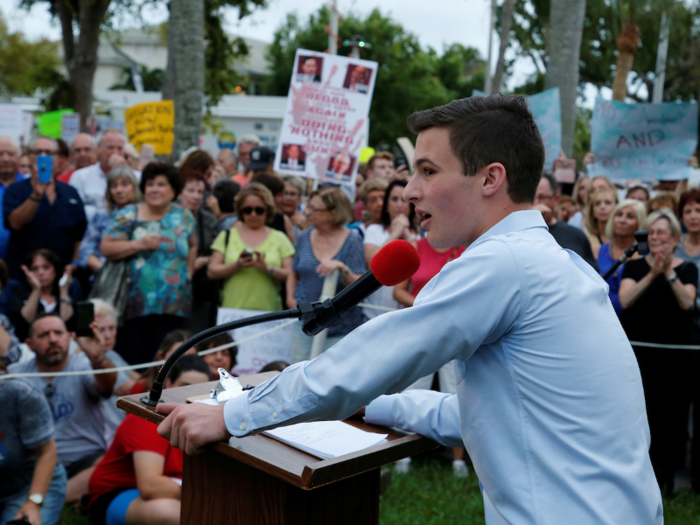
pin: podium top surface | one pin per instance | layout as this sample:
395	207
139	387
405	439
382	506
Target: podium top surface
283	461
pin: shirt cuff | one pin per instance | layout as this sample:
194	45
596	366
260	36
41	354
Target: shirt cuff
237	417
381	411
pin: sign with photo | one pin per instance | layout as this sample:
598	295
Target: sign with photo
326	117
643	141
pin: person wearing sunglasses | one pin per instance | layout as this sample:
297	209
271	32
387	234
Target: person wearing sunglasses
253	258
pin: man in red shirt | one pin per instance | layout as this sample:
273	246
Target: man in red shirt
139	479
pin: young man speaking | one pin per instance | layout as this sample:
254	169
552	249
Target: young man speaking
549	398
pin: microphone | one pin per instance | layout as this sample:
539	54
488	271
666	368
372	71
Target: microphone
393	264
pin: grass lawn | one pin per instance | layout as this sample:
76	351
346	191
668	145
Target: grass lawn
431	495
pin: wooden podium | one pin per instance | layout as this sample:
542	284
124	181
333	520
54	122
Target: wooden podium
258	480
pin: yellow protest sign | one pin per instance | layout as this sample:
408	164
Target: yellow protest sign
152	123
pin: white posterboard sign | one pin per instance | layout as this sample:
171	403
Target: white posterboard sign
70	127
643	141
254	355
324	123
12	122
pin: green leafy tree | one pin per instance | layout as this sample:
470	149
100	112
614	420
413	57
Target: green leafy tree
26	66
82	21
408	79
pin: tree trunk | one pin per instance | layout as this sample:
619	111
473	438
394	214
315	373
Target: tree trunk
626	46
81	58
564	51
184	78
506	22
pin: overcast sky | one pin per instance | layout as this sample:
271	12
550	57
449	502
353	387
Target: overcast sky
435	23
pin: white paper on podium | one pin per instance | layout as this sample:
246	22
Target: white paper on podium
326	439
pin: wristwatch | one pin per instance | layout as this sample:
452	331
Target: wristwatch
37	499
673	278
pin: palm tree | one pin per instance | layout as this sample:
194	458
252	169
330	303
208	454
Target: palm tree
627	43
564	50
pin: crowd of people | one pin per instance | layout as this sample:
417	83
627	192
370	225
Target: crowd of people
157	248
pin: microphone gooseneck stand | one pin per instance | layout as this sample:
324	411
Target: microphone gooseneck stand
629	252
305	312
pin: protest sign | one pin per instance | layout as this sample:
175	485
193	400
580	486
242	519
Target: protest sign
327	107
643	141
152	123
254	355
70	126
96	124
546	108
50	123
12	122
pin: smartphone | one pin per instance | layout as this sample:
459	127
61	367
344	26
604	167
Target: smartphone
44	166
248	253
398	161
84	316
642	238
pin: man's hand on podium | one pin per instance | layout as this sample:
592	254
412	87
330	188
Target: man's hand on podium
190	427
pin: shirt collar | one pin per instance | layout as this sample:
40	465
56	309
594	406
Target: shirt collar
515	222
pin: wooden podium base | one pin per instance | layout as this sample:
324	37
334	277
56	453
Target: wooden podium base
218	490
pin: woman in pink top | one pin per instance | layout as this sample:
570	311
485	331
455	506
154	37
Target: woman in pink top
431	262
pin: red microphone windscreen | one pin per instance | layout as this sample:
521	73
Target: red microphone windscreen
395	262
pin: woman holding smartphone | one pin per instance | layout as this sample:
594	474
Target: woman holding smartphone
253	258
158	236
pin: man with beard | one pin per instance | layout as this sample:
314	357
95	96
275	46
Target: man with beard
76	401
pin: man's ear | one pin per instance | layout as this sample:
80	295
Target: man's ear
494	178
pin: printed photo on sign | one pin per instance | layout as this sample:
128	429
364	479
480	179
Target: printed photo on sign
340	167
293	157
357	78
309	68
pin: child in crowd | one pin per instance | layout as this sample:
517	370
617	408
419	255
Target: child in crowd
139	479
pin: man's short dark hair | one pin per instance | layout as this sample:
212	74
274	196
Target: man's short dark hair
225	191
553	183
491	129
43	315
270	181
189	363
153	169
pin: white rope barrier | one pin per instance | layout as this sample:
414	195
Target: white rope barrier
144	365
256	336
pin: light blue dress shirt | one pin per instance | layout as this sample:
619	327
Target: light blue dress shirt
549	397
